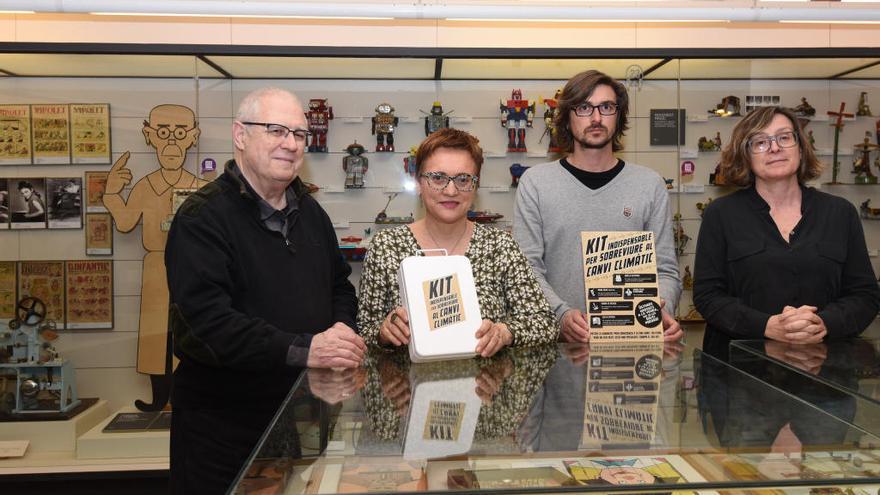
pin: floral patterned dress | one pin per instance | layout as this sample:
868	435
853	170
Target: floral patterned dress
506	287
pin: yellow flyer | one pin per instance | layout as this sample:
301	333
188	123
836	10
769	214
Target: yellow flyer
620	278
7	291
51	133
15	134
89	294
45	281
90	128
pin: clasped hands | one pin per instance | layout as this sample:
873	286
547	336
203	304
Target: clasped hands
337	347
491	336
801	325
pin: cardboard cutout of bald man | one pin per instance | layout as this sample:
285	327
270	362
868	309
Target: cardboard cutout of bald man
171	130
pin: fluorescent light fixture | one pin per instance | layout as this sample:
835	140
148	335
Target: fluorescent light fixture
246	16
827	22
17	12
477	19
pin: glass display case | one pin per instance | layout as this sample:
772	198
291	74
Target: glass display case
843	370
558	418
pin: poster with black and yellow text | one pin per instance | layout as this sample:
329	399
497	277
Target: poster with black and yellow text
620	278
623	391
50	133
44	280
90	127
443	300
15	134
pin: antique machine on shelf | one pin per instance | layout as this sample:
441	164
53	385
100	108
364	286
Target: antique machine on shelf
44	382
862	160
383	218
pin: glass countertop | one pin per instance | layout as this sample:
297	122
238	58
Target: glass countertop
556	419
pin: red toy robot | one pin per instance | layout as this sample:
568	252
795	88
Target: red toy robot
319	117
516	115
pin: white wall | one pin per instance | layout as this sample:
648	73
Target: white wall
105	359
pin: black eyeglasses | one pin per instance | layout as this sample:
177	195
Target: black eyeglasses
585	109
164	131
761	143
280	132
463	182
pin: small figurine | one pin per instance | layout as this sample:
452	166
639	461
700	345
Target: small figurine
383	217
436	119
702	206
516	115
838	125
409	161
811	139
550	105
692	316
679	236
483	216
687	280
670	183
864	110
319	117
862	161
867	212
384	123
355	166
804	109
729	107
706	144
516	171
716	178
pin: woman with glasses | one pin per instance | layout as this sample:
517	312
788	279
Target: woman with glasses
778	259
512	304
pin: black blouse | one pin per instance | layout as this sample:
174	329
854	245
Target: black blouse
745	271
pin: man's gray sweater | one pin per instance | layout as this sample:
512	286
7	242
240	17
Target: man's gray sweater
553	207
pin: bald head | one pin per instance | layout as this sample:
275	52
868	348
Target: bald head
250	107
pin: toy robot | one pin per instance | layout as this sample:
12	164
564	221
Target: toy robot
383	127
355	166
409	162
319	117
516	171
436	119
516	115
550	105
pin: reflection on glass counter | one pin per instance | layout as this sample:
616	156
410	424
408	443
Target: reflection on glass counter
557	418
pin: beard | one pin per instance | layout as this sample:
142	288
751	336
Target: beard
585	143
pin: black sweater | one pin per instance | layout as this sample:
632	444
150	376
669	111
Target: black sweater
745	271
241	294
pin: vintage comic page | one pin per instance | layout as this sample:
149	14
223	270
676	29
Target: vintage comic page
90	126
7	292
45	281
382	475
51	133
99	234
65	202
632	470
89	294
96	183
15	134
620	278
623	390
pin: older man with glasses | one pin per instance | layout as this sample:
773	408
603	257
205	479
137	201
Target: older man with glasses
259	291
591	190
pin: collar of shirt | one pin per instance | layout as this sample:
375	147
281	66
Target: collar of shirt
275	220
758	202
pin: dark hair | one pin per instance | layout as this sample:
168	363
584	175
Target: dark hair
449	138
736	159
575	92
25	184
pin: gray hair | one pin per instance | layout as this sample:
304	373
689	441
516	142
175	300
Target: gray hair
249	108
